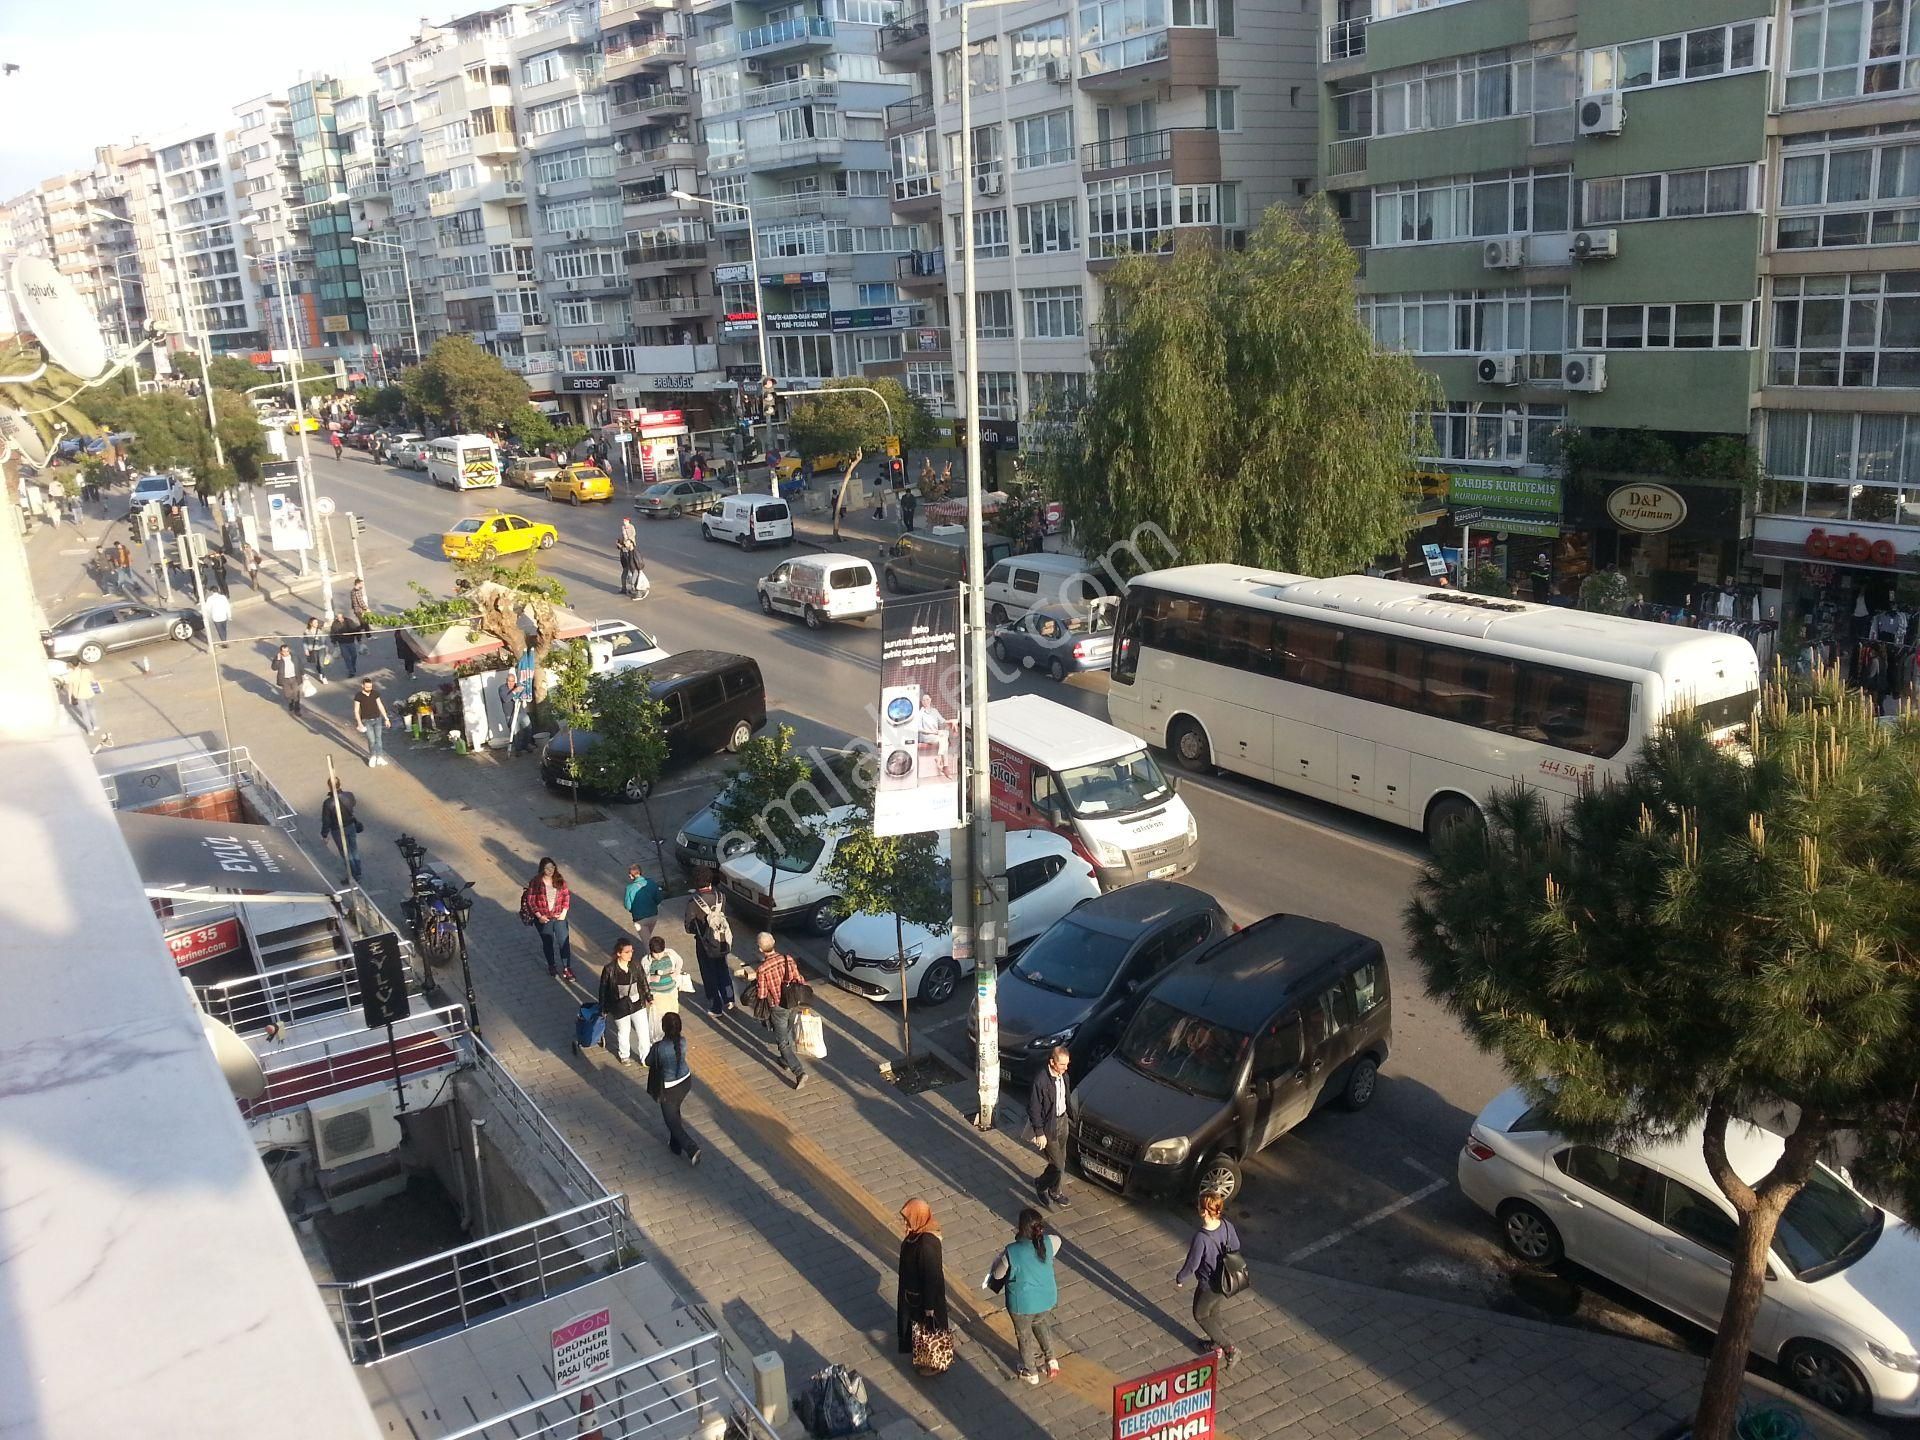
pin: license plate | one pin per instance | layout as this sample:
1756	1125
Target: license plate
1161	872
1111	1174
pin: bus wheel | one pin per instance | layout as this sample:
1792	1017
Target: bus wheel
1189	745
1448	813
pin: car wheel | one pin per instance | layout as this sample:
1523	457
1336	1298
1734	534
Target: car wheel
706	532
1362	1081
891	581
747	542
1218	1175
546	542
825	916
574	500
814	618
1189	745
1825	1376
766	603
1529	1235
939	983
91	653
636	790
1055	669
489	552
1447	814
1000	650
997	615
742	733
180	630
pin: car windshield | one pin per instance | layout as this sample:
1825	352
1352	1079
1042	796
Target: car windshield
467	526
1114	787
1195	1055
1072	960
804	855
1826	1227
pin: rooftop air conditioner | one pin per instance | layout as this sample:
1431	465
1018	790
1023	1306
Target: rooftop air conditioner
1585	373
1500	369
1602	115
345	1132
1508	254
1596	244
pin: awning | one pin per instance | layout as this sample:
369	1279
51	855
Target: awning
459	643
182	859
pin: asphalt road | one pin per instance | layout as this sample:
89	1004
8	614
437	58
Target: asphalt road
1366	1197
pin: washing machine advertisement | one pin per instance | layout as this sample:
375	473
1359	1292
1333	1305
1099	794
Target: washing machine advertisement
919	715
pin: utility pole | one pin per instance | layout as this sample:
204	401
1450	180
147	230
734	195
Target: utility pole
192	562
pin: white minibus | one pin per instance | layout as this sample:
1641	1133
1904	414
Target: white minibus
464	462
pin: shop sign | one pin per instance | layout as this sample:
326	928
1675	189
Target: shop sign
928	340
665	382
336	324
206	942
1850	548
740	322
874	317
733	274
1170	1403
796	277
798	322
994	434
1648	509
1525	494
585	384
743	372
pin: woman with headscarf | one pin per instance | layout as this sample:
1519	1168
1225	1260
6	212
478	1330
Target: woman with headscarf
922	1308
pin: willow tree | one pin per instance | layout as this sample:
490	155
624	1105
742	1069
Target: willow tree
1242	409
1706	941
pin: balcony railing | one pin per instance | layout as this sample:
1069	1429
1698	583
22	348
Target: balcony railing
785	92
1344	157
1347	39
673	305
801	30
652	101
1153	147
905	28
652	46
921	265
654	252
911	113
425	1042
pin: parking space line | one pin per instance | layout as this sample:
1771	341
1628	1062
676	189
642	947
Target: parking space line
1374	1217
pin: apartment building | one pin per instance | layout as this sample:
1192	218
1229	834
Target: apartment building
1668	232
266	179
1101	129
201	212
337	296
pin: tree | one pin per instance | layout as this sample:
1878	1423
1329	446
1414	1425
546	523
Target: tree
42	412
462	387
1244	411
388	404
1715	937
768	800
495	600
241	437
534	429
840	419
169	429
631	724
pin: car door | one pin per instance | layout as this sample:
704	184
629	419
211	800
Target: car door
1034	901
780	586
707	723
1603	1205
1690	1264
133	624
1283	1086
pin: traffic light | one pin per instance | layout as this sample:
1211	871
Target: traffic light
359	523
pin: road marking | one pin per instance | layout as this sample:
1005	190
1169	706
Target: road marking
1387	1211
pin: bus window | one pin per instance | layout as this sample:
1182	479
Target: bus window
1312	655
1587	713
1470	689
1237	636
1382	669
1183	627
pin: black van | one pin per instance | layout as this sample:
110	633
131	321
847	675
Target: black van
925	561
1231	1049
715	701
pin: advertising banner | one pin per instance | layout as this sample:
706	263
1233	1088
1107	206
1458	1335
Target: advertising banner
1176	1402
206	942
287	523
582	1349
919	718
382	973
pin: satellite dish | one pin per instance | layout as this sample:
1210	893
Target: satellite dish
238	1063
57	317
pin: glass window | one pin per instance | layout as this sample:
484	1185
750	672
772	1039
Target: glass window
1200	1056
1367	989
1825	1227
1468	688
1626	1181
1311	653
1572	711
1382	669
1278	1051
1332	1011
1687	1212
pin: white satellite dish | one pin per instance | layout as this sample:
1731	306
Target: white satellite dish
245	1076
56	316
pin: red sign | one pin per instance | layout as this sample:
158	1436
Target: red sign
1171	1404
260	357
190	947
1850	547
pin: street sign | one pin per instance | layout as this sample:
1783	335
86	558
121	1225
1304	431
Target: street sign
1436	565
383	979
323	505
279	474
582	1349
1468	514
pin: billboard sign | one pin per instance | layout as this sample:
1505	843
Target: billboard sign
919	718
1178	1401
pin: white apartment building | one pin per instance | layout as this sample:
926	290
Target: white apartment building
266	182
200	212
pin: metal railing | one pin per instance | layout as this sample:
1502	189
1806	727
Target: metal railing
1346	156
905	114
783	92
666	252
423	1043
663	99
646	49
533	1121
921	265
205	773
801	29
1152	147
909	25
1347	39
290	994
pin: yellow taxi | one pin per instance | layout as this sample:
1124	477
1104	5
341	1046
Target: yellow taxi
483	537
577	483
788	466
296	423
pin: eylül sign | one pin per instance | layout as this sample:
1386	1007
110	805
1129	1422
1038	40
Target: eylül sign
1648	509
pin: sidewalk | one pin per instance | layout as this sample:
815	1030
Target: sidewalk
788	1226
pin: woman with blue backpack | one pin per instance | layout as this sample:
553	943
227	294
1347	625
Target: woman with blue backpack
1024	1273
1215	1265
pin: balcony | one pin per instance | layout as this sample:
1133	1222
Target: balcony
579	78
645	164
906	36
574	30
923	270
929	343
627	58
615	13
915	113
798	154
501	190
370	184
783	207
786	92
1193	155
1347	39
658	254
1346	157
805	32
917	195
1158	57
661	103
670	305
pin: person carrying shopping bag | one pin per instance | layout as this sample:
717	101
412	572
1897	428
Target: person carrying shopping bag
1024	1273
544	905
920	1311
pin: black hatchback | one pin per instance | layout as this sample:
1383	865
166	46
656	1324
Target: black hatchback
714	701
1077	984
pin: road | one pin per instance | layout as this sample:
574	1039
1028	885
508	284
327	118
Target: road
1368	1198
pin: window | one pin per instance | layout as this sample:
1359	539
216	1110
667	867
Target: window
1048	227
1055	394
1494	432
1676	59
1432	212
1687	1212
588	109
1850	466
1837	50
1367	989
993	316
1467	89
1277	1051
1858	331
1223	107
1039	52
985	69
1677	194
1115	34
999	398
1331	1012
1625	1181
1530	322
1849	193
1051	313
1040	140
989	235
1724	326
582	162
1139	213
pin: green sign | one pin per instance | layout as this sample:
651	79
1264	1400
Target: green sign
1513	525
1509	494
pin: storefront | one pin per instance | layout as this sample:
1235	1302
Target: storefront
1511	524
586	398
1849	591
1677	543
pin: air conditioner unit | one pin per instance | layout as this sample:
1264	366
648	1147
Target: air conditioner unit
1500	369
756	67
1505	254
1056	71
1596	244
1585	373
354	1130
1602	115
987	184
578	235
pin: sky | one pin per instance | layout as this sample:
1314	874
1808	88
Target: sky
102	72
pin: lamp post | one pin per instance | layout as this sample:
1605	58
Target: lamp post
406	278
759	314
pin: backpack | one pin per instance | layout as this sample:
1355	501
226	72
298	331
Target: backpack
711	921
1231	1276
834	1403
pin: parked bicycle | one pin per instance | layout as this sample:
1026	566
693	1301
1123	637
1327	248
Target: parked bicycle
430	905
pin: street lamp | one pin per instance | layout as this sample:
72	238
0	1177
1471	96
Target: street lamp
759	313
406	278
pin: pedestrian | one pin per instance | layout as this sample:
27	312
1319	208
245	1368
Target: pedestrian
775	981
217	569
339	824
909	502
879	498
335	437
623	1004
313	640
250	557
82	693
357	602
643	903
712	943
74	513
289	674
56	499
1047	1115
668	1081
345	640
219	611
1215	1238
122	564
370	715
1024	1272
544	905
628	549
404	651
920	1313
664	969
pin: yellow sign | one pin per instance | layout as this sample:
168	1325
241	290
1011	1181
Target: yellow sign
335	324
893	447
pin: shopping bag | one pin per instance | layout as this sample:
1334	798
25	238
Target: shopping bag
307	688
809	1035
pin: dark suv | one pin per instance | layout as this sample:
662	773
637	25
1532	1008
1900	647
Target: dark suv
714	701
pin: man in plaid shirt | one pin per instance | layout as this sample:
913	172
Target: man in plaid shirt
777	971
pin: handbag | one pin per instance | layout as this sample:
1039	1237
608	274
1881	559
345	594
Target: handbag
527	917
307	688
656	1081
809	1035
796	995
932	1349
1231	1276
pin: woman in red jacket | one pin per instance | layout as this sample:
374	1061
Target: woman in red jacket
544	905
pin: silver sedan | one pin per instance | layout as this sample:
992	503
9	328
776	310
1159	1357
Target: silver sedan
88	634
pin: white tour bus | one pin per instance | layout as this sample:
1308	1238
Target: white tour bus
464	462
1402	701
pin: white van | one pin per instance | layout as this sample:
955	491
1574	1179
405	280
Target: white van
464	462
821	588
748	521
1092	782
1016	585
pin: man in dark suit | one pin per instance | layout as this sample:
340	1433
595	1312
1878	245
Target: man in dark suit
1047	1114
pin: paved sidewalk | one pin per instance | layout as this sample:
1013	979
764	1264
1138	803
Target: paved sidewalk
788	1226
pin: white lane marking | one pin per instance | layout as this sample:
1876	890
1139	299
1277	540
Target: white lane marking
1387	1211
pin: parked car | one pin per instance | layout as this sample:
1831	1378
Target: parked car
1229	1050
1045	879
820	588
795	887
1058	639
577	483
360	437
616	645
1017	585
675	497
935	559
157	489
697	844
410	454
1840	1312
1079	983
88	634
530	472
393	440
483	537
714	701
749	521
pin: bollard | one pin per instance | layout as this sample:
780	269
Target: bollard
770	1387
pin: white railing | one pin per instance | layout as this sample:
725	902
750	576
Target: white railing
290	994
785	92
204	773
1346	156
1347	39
424	1043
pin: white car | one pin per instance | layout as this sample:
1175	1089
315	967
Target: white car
1045	879
157	489
410	454
795	887
617	645
1841	1308
821	588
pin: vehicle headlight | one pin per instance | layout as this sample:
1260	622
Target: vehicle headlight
1894	1359
1105	853
1193	829
1059	1037
1166	1152
680	838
